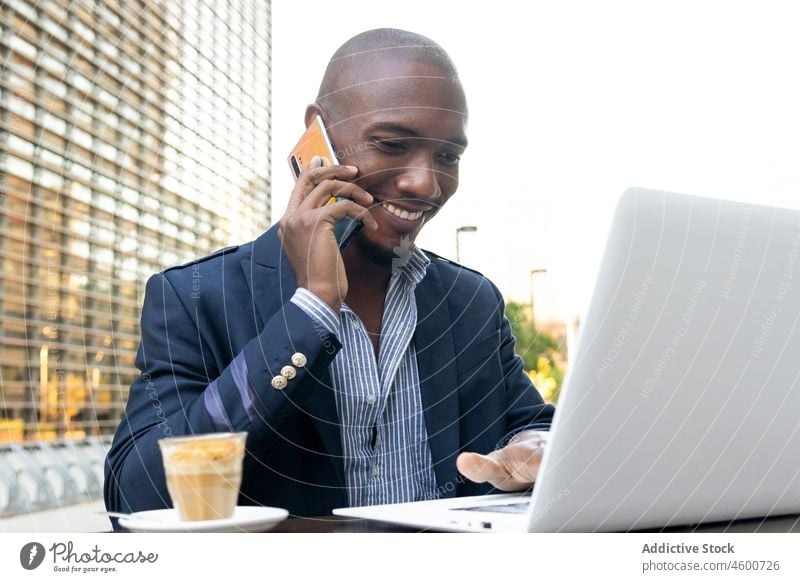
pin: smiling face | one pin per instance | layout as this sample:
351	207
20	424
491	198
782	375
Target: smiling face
404	127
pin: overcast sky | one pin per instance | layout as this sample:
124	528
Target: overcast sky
570	104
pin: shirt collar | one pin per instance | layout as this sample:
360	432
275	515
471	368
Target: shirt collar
409	266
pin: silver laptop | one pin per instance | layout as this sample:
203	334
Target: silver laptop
682	401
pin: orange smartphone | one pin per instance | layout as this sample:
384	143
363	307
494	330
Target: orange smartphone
315	142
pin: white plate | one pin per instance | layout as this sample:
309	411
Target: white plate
245	519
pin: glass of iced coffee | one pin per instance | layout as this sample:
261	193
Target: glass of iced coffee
204	473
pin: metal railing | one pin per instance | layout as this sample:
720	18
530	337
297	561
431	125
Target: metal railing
51	474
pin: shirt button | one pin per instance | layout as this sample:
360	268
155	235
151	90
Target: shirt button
376	471
288	372
299	360
371	399
279	382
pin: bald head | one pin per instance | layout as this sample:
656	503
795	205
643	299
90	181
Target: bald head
370	58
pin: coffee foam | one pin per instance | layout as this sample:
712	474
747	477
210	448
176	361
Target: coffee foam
205	456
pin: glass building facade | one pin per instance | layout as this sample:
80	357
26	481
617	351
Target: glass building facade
134	135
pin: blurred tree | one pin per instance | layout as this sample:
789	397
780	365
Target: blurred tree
538	349
544	378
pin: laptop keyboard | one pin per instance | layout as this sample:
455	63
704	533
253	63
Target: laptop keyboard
520	507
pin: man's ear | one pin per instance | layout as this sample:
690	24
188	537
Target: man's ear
311	112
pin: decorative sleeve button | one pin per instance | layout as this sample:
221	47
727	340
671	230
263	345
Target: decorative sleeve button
288	372
299	359
279	382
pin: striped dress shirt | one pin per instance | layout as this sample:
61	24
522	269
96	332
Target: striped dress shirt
384	440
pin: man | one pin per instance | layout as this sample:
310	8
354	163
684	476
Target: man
371	375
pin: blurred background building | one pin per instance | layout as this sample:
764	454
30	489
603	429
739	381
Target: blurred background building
133	136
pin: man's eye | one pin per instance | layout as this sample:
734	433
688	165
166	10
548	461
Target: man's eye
391	146
450	159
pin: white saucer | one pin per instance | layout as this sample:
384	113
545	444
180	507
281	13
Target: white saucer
245	519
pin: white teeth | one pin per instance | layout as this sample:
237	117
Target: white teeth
404	214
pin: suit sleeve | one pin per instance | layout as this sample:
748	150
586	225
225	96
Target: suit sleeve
525	408
179	393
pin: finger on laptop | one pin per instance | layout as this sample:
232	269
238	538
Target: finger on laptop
512	468
479	468
486	468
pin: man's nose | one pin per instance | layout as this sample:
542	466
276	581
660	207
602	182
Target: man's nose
420	180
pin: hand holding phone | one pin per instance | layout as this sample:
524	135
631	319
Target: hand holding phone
316	142
307	228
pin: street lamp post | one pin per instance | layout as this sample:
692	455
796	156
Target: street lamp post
459	230
534	272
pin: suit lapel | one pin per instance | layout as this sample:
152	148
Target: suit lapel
269	277
435	349
272	284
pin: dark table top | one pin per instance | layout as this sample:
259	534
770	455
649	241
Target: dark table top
335	524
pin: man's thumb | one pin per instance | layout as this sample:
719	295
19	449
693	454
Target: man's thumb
480	468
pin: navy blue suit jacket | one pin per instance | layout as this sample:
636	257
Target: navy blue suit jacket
196	318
